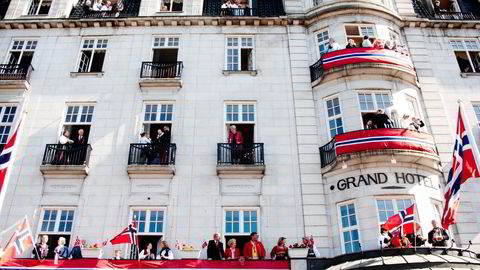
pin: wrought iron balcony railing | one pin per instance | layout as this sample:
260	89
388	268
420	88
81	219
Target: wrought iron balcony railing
67	154
121	9
260	8
149	154
240	154
15	72
161	70
423	12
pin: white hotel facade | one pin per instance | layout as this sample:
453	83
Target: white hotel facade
67	67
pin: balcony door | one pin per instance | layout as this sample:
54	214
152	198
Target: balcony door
165	55
247	131
21	52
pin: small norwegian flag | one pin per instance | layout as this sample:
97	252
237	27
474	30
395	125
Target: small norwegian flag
20	241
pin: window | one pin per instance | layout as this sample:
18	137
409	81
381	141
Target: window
7	117
240	53
236	113
150	225
165	42
389	207
92	55
79	114
349	228
357	32
334	117
39	7
158	113
21	52
476	108
239	223
373	101
171	5
467	53
57	221
322	41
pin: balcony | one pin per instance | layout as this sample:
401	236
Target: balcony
118	9
261	8
161	75
360	61
13	76
147	161
245	161
377	145
65	162
423	11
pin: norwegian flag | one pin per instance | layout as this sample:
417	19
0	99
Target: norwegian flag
21	240
406	218
463	168
127	236
5	162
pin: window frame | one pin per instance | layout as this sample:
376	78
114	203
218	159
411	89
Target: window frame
59	209
160	2
394	203
22	50
359	27
240	112
158	113
93	50
79	115
176	42
149	210
29	6
325	42
349	228
239	48
476	104
328	118
241	220
373	93
466	50
11	124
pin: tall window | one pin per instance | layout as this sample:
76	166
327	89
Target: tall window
39	7
476	108
56	223
467	53
78	121
242	115
92	55
357	32
389	207
21	52
7	117
239	223
322	41
156	116
349	228
171	5
334	115
370	102
79	114
150	225
240	54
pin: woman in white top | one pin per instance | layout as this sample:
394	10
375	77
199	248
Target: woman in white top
146	253
165	252
405	121
64	139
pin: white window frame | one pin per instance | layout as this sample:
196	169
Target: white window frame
241	220
27	42
93	50
373	94
466	50
57	220
325	42
171	6
79	114
239	47
395	208
476	110
240	112
168	42
349	228
328	118
149	210
29	7
9	124
158	113
359	26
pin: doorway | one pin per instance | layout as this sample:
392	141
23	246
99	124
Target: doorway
240	239
53	243
143	240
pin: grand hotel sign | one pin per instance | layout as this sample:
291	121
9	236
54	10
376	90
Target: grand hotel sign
394	180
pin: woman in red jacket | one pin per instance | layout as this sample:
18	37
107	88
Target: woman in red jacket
232	252
235	139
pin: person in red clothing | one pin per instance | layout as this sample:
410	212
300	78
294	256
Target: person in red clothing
232	252
235	139
254	249
280	251
400	241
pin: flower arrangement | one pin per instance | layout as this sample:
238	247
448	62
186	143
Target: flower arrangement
187	247
297	245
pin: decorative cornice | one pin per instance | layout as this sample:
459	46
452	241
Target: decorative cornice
449	24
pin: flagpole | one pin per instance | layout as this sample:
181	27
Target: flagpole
466	123
33	239
415	228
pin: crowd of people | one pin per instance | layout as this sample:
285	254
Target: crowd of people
99	6
234	8
367	43
437	237
381	120
159	148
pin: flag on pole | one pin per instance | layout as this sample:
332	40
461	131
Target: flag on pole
464	167
404	219
127	236
6	158
20	241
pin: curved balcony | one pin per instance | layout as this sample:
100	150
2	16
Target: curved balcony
372	145
363	61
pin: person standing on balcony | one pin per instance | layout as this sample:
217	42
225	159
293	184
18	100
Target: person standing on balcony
385	238
254	249
351	44
215	248
381	120
145	151
165	252
438	237
312	249
40	251
146	253
235	139
165	146
232	252
79	144
158	147
63	145
366	42
405	121
333	46
416	124
280	251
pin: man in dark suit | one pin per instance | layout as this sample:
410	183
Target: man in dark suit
79	143
165	146
215	248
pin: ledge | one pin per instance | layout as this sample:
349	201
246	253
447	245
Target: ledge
240	72
64	171
151	171
22	85
469	74
236	171
160	83
86	74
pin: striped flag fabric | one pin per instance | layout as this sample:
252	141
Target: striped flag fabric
127	236
5	161
464	167
406	218
21	240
